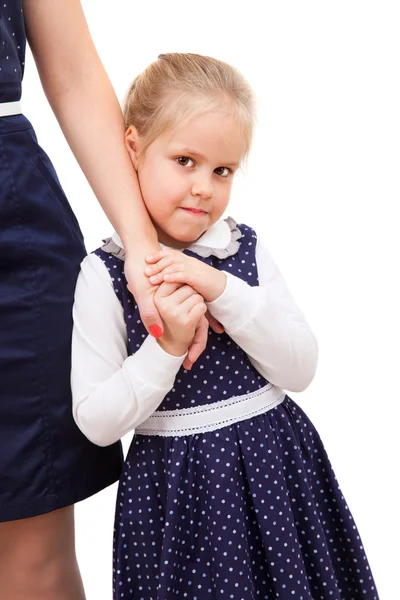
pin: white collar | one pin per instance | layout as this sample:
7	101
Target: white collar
218	236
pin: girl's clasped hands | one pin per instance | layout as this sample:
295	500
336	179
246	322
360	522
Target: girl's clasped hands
185	285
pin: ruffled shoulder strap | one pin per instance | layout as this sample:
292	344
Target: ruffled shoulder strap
229	250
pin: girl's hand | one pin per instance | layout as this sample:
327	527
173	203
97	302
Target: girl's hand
198	344
143	291
173	266
181	310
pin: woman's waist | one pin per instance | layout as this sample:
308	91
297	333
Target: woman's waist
12	119
9	108
209	417
10	91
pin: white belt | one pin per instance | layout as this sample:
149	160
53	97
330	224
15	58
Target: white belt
209	417
7	109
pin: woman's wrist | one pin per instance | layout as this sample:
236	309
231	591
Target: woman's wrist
140	243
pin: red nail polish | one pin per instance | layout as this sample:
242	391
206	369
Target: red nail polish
155	331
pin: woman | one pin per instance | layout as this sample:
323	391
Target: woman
41	247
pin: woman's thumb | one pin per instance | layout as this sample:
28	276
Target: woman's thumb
151	317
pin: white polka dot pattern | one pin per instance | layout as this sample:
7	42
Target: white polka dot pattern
250	511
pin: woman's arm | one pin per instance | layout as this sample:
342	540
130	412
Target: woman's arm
90	117
112	392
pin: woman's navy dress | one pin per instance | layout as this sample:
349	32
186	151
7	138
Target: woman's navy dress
45	461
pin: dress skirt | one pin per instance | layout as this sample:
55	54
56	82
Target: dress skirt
251	511
45	461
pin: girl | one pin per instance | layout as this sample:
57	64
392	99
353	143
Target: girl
226	491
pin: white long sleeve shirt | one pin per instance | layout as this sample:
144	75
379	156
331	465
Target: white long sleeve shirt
113	392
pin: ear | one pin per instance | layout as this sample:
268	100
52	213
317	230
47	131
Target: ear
132	142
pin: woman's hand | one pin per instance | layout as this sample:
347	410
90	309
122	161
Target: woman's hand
143	292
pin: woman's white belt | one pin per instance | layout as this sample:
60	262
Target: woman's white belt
209	417
7	109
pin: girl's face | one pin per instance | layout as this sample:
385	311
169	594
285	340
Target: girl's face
186	175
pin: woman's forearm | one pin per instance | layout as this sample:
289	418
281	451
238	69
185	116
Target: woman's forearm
91	120
84	102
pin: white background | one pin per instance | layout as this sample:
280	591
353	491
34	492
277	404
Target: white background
322	187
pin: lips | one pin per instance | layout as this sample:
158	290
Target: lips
194	211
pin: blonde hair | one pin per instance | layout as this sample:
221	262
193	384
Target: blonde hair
178	86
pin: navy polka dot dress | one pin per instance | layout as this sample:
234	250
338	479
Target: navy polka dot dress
248	512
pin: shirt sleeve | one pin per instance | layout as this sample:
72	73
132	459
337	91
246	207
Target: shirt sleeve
268	325
112	392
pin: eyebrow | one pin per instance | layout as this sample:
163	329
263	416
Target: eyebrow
191	152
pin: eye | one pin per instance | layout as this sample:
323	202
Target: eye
222	171
184	161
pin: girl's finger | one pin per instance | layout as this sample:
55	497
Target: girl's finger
183	293
214	324
190	303
156	256
197	310
166	289
159	266
198	344
174	268
155	279
179	277
187	363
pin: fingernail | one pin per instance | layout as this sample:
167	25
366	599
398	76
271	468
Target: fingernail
153	279
155	331
149	257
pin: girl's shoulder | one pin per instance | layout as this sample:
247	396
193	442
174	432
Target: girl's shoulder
247	232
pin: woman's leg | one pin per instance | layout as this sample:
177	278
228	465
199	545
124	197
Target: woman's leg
38	560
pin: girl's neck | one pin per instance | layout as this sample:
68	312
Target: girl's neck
171	242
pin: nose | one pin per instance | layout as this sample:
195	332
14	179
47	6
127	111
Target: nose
202	187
